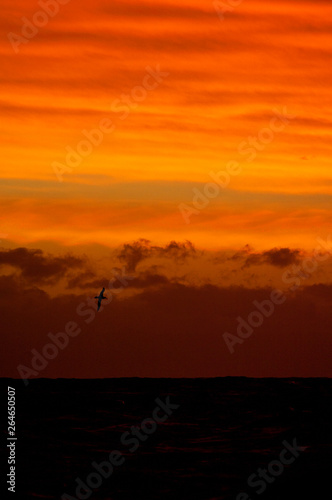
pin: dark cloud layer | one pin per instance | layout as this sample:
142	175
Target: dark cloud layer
174	330
36	267
166	328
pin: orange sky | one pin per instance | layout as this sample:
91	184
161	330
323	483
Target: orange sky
225	78
216	101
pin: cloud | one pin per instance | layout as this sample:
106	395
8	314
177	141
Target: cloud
246	250
282	257
89	280
80	281
147	279
36	267
278	257
177	251
33	266
132	254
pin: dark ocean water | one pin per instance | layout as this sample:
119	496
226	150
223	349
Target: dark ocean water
223	430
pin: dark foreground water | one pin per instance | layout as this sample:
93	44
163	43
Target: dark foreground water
223	431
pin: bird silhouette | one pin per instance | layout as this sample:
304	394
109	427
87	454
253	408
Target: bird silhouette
100	297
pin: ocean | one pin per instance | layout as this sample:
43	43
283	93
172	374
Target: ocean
154	439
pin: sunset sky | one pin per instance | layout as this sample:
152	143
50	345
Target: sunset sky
180	89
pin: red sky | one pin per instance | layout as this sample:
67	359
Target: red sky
182	96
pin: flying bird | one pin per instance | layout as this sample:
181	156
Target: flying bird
100	297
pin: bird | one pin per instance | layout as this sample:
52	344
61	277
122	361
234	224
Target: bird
100	297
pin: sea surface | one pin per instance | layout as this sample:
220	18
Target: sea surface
219	432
